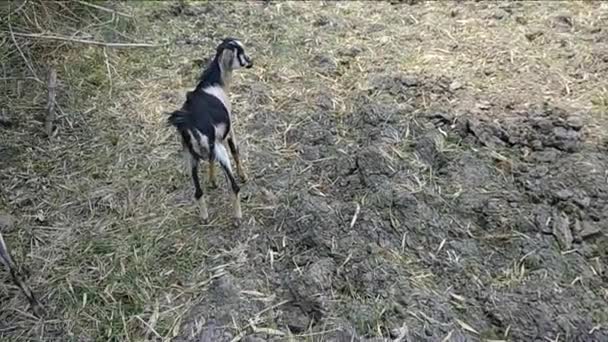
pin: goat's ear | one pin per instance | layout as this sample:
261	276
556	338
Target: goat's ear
222	43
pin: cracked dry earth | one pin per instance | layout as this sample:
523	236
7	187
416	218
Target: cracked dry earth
413	223
483	229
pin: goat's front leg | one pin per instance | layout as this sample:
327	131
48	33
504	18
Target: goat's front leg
234	150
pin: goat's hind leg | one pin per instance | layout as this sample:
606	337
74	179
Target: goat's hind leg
211	174
234	150
221	155
198	191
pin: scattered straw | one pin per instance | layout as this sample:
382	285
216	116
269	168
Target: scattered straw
108	225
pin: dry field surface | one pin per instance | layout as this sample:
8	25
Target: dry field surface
418	171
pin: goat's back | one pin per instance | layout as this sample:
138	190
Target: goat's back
203	112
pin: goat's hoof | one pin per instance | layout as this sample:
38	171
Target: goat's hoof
243	178
212	185
204	216
236	221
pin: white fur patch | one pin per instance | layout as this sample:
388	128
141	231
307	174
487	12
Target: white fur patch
222	156
220	130
200	144
236	63
193	142
219	93
203	140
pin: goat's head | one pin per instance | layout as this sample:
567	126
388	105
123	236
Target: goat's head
231	55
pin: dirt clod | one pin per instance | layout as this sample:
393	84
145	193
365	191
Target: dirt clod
455	85
6	222
321	272
325	64
575	122
531	36
589	229
561	230
564	20
564	194
253	339
350	52
4	119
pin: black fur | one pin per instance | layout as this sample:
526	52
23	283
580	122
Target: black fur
212	75
201	112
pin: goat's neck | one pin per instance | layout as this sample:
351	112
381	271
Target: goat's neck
226	75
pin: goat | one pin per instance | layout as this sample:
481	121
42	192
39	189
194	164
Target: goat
204	123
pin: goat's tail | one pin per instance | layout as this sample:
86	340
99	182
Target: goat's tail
179	119
183	123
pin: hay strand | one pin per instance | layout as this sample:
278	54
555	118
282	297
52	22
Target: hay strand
50	109
86	41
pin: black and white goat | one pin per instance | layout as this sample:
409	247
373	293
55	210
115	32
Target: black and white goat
204	123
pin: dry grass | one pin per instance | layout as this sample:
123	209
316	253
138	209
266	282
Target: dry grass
104	219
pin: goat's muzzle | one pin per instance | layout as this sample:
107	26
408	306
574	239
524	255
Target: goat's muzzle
249	62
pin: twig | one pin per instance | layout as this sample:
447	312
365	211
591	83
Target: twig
20	7
350	255
107	60
4	78
256	317
27	63
272	307
16	78
85	41
267	331
104	9
150	328
5	258
50	106
352	222
4	119
403	334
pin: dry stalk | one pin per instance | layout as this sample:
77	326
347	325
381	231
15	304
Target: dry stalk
8	262
25	60
84	41
354	219
105	9
50	107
